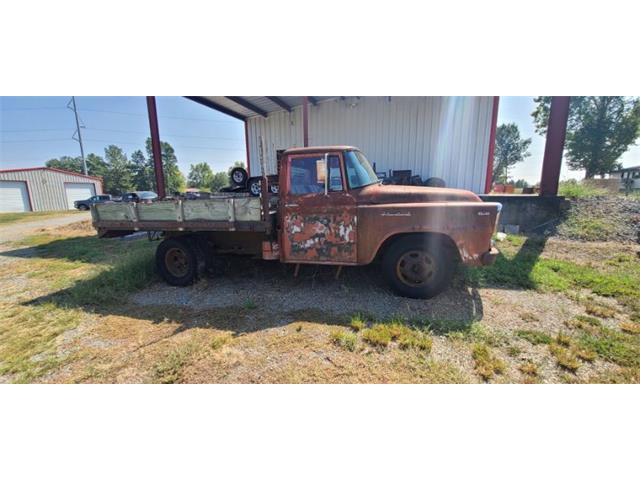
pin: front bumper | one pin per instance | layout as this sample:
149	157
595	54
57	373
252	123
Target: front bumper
489	258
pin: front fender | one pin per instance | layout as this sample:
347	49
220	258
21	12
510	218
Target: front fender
469	225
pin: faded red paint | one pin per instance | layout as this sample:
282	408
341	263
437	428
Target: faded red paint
350	226
327	238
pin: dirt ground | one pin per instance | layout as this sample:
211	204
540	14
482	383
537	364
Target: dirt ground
252	321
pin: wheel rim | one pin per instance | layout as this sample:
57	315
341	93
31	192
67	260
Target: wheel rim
415	268
177	262
238	177
275	189
255	188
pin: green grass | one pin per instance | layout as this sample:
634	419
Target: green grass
487	364
345	339
535	337
358	322
18	217
76	272
382	334
169	369
589	229
220	341
28	339
520	266
378	335
574	189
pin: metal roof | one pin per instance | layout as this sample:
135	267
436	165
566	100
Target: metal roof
246	107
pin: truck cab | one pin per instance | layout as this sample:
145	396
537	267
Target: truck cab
334	210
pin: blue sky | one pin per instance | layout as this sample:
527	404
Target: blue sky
518	110
35	129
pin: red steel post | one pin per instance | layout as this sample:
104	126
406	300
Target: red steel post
155	146
554	146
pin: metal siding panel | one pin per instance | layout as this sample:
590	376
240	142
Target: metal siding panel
445	137
46	187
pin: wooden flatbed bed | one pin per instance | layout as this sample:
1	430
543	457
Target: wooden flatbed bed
233	213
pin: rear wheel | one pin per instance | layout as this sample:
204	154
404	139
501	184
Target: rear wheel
177	261
418	267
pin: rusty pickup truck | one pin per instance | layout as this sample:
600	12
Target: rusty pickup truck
331	209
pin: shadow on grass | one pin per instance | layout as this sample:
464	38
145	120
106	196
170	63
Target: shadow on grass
127	267
510	272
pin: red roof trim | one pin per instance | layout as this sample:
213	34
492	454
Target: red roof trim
59	170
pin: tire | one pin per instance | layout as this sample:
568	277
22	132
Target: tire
83	207
274	186
435	182
239	176
178	262
255	186
418	266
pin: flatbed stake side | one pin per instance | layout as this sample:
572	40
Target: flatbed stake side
331	209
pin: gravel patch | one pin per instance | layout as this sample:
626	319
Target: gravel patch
620	214
272	288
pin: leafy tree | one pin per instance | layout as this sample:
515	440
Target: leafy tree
117	179
71	164
521	183
95	164
200	176
142	173
220	180
599	130
174	179
510	149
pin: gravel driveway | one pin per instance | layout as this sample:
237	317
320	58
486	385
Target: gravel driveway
16	231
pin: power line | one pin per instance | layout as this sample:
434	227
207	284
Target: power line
174	146
204	137
114	112
35	130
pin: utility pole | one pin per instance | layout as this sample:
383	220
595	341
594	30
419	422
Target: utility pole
72	105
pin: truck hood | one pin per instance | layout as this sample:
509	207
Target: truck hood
384	194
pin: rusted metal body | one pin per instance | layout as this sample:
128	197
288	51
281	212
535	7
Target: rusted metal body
350	226
337	224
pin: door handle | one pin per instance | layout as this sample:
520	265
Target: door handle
291	205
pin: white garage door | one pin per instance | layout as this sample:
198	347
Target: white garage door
78	191
14	197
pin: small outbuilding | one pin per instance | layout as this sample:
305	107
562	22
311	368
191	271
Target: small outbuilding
43	188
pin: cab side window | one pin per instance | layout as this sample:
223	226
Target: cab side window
307	175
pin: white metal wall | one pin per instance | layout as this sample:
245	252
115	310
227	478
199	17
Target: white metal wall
47	187
446	137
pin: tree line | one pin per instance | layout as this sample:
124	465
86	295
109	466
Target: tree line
121	173
599	131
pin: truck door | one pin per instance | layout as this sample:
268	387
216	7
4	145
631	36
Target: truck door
319	223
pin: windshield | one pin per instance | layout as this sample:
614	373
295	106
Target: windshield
359	171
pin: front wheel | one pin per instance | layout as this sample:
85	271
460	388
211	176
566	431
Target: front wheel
418	267
177	262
